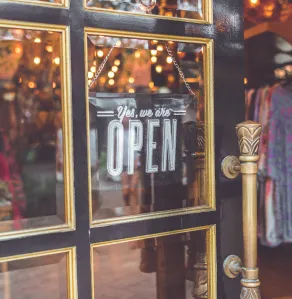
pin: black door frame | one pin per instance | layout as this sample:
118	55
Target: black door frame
227	33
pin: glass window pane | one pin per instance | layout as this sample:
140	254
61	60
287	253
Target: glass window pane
173	266
32	278
146	101
191	9
31	141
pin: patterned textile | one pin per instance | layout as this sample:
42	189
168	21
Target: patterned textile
279	161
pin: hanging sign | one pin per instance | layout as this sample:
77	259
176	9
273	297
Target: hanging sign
140	131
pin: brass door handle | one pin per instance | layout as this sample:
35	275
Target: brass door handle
248	134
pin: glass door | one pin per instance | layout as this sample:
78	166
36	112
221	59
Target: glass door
115	117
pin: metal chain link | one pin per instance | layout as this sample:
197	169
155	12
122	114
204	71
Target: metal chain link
100	68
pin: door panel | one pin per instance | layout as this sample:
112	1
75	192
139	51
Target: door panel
222	105
131	63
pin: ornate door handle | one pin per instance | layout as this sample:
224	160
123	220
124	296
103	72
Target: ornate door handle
248	134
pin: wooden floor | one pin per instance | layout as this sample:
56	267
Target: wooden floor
275	266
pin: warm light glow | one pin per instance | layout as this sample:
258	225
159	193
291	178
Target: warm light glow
57	60
159	48
245	81
31	84
100	53
118	43
153	59
103	80
54	84
114	69
17	50
20	80
171	78
151	84
37	40
131	80
158	68
111	74
169	59
111	82
93	69
90	75
94	62
131	90
154	41
88	82
137	54
153	52
117	62
49	48
37	60
254	2
170	42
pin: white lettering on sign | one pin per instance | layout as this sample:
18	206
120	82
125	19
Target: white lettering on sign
128	142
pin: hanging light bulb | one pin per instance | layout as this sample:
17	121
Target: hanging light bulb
37	40
153	59
37	60
57	60
93	69
154	41
158	68
111	82
131	80
49	48
100	53
31	84
131	90
159	48
17	50
153	52
114	68
169	59
151	84
111	74
90	75
117	62
137	54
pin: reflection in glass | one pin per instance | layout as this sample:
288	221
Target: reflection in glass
33	278
168	267
146	102
31	155
192	9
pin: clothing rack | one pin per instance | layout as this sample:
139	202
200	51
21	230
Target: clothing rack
272	107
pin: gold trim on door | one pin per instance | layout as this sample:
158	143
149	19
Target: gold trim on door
209	125
211	256
65	66
71	265
207	17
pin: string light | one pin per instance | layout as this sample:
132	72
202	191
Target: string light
154	41
37	60
131	80
153	52
111	74
245	81
158	68
153	59
114	69
131	90
90	75
117	62
93	69
137	54
37	40
111	82
151	84
169	59
57	60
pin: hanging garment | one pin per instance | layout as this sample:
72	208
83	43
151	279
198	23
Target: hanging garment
279	160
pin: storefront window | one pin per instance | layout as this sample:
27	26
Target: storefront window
147	106
31	141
